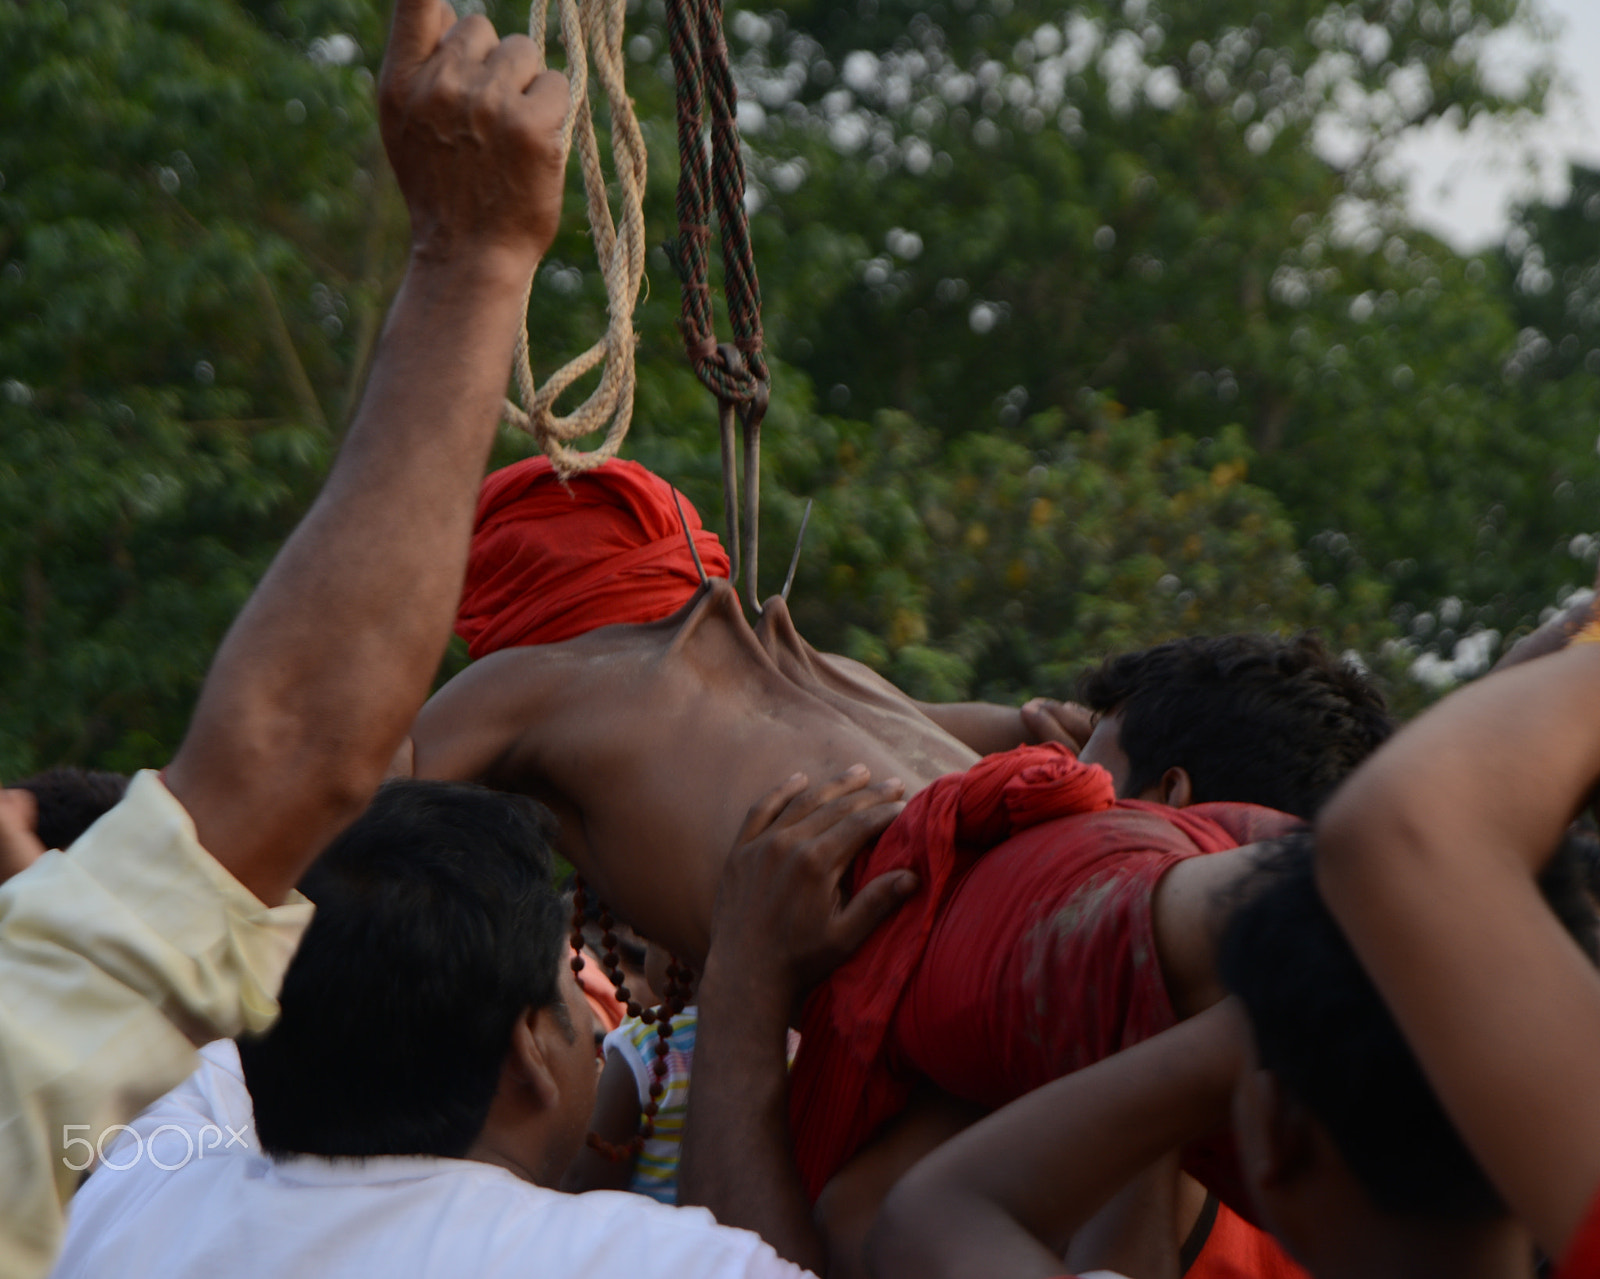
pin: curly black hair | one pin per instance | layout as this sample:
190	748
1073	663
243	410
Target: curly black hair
1256	719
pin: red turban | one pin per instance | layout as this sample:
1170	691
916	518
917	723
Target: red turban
552	560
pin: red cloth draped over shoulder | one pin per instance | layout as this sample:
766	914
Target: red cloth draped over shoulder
551	559
853	1074
841	1089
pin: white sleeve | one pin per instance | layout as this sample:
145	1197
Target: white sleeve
116	959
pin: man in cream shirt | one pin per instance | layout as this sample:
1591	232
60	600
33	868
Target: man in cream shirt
171	921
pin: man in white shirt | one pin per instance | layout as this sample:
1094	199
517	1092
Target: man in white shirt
170	922
433	1071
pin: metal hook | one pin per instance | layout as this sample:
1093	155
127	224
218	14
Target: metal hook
745	542
799	541
689	537
726	412
752	506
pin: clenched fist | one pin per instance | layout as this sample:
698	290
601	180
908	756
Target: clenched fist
472	124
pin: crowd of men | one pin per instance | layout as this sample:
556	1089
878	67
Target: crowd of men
1215	973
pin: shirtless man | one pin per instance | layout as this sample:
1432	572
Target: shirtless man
650	743
643	709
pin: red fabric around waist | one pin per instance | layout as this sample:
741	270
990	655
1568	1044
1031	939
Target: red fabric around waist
1026	954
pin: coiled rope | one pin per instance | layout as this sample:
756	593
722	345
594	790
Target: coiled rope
595	26
736	373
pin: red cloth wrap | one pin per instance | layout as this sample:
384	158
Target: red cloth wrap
552	560
1237	1250
1027	953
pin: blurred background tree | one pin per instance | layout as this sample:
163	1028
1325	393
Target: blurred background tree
1090	327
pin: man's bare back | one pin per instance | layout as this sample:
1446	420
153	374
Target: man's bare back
650	743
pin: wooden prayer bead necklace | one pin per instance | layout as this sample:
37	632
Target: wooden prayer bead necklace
673	1001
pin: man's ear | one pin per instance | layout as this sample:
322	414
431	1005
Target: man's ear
1177	791
532	1050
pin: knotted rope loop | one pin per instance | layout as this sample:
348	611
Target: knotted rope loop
592	30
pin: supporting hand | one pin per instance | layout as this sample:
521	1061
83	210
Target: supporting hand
780	914
780	924
1044	720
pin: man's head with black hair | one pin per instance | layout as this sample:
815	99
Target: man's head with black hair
1255	719
70	800
430	992
1333	1052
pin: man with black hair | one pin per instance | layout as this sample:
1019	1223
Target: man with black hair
1347	1154
435	891
433	1071
1256	719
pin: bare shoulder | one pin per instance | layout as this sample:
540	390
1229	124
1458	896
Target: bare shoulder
469	727
1188	911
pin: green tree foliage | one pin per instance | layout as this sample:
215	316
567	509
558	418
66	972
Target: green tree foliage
184	308
1189	207
1081	339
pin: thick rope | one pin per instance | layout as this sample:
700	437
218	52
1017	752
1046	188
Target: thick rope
700	67
595	25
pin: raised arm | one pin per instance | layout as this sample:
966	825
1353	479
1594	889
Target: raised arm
1428	857
1005	1197
318	680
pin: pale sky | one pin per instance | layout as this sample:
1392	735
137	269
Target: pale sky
1461	185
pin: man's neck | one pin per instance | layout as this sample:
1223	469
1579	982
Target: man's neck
490	1147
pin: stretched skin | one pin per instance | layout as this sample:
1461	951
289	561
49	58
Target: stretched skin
651	743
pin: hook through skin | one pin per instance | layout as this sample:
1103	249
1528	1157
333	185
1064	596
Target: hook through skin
799	541
689	537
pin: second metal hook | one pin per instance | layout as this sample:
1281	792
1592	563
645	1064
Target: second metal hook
744	542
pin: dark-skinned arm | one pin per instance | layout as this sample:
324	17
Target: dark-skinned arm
616	1120
987	727
1004	1198
1428	858
779	926
138	938
320	676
